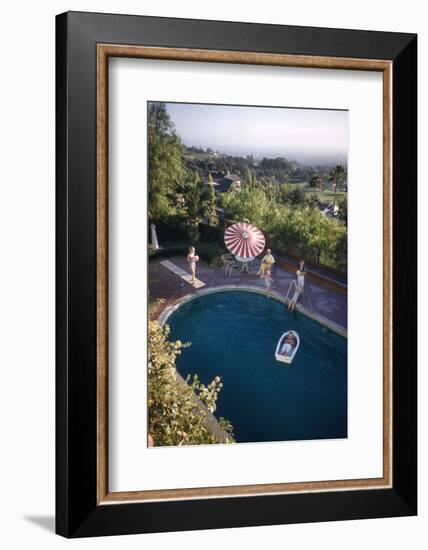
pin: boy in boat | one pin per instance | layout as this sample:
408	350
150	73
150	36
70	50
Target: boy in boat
288	345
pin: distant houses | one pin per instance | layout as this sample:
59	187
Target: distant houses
223	182
329	210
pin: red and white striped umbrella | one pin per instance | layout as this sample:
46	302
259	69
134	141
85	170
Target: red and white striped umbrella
244	240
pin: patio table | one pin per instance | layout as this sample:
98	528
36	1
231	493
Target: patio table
245	263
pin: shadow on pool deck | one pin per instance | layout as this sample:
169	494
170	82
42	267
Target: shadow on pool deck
316	298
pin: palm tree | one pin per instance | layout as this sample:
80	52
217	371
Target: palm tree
195	202
338	177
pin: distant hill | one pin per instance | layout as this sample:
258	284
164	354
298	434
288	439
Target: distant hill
276	169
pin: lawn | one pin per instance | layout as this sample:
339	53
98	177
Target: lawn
324	196
200	156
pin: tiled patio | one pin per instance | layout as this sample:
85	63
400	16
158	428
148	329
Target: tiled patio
316	299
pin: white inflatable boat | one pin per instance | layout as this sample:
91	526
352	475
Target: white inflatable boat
287	346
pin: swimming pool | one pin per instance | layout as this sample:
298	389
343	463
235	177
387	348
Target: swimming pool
234	335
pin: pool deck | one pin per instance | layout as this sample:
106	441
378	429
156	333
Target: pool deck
318	301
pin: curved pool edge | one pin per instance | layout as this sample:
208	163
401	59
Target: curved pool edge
168	311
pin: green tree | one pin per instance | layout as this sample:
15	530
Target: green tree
250	180
210	203
271	188
250	204
338	177
165	162
284	193
177	410
316	181
340	251
313	200
300	228
321	236
296	196
193	203
343	209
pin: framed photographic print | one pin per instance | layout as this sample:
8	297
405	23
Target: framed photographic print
236	265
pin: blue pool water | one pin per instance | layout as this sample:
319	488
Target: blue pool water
234	335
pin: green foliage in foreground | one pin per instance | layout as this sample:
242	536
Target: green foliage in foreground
303	229
175	415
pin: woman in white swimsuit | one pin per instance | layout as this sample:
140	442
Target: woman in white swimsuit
192	258
301	272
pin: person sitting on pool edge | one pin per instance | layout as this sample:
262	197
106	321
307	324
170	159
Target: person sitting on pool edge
292	303
267	263
268	282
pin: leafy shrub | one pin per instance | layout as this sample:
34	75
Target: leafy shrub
177	410
209	251
301	229
216	262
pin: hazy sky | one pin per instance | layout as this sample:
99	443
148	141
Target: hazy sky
262	129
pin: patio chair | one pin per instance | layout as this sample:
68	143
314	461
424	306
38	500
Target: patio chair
230	264
234	266
227	260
